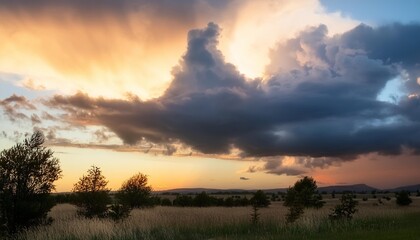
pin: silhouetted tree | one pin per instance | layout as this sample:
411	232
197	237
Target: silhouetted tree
203	200
27	175
260	199
92	195
302	195
135	192
403	198
346	209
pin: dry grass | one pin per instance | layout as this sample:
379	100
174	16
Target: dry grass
169	221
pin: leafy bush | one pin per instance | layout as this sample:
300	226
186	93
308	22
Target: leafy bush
92	195
118	212
135	192
260	199
27	175
403	198
302	195
346	209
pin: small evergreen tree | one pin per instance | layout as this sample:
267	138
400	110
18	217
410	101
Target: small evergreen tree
260	199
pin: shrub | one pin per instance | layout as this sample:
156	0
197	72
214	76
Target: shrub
135	192
403	198
260	199
27	175
346	209
92	195
118	212
302	195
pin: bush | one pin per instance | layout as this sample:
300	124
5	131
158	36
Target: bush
27	175
260	199
118	212
346	209
302	195
135	192
92	195
183	201
403	198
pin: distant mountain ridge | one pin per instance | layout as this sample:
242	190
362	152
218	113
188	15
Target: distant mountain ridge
328	189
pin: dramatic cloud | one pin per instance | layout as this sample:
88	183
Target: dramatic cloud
319	103
131	46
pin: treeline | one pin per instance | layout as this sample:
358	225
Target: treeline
202	199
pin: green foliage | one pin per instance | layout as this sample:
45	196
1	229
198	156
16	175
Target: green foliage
295	211
27	175
302	195
204	200
403	198
118	212
260	199
135	192
92	195
346	209
183	201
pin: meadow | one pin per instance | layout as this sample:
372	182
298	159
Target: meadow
372	221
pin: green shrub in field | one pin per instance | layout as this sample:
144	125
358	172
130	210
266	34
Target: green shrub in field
260	199
135	192
302	195
118	212
346	209
27	175
92	195
403	198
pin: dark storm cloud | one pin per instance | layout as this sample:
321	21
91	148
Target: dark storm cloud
320	102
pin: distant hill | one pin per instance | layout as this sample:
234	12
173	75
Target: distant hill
347	188
411	188
329	189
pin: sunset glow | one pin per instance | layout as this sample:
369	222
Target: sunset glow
234	94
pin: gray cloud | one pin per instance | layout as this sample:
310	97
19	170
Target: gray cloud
244	178
13	105
320	102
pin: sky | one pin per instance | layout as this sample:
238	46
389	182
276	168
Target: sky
236	94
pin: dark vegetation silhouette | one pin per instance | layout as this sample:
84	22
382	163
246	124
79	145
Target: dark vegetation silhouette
259	200
135	192
28	171
303	194
403	198
91	194
346	209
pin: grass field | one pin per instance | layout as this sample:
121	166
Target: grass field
372	221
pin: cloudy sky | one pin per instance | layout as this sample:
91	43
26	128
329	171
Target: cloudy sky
214	93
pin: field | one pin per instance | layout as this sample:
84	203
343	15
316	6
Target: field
372	221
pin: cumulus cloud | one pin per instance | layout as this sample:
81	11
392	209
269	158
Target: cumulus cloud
131	46
320	102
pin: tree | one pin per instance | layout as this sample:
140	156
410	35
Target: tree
346	209
92	195
135	192
260	199
28	171
403	198
302	195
